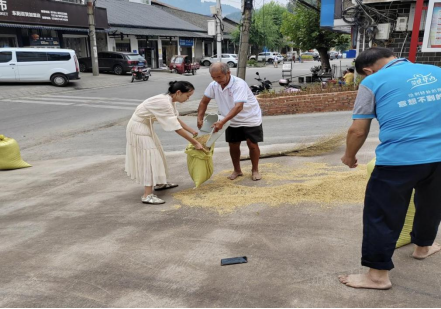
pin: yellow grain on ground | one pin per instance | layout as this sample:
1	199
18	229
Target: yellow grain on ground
281	185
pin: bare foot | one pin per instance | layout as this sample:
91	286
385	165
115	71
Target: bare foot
367	281
420	253
234	175
256	176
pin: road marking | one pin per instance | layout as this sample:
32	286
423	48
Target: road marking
105	106
92	98
37	102
95	102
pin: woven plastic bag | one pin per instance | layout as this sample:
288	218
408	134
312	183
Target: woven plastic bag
10	158
404	238
200	164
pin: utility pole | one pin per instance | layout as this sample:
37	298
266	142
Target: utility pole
92	36
219	30
247	6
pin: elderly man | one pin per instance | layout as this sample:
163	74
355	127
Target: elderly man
239	106
406	100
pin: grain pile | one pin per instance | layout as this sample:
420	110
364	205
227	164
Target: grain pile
203	139
284	185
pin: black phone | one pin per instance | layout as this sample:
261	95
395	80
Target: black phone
235	260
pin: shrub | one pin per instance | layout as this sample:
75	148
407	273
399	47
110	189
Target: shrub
307	57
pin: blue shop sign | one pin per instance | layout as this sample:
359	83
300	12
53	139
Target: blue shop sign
185	42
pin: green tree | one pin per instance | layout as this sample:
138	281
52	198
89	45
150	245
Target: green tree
303	29
265	27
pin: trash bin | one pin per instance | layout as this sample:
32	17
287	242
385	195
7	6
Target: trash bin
206	128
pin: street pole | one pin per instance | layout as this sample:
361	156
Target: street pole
219	30
92	36
244	38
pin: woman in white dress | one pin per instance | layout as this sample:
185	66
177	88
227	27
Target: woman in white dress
145	159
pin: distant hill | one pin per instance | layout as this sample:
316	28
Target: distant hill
196	6
236	16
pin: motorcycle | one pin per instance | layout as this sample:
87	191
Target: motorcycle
265	85
140	73
289	88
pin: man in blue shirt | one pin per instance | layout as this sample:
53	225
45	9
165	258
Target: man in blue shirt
406	100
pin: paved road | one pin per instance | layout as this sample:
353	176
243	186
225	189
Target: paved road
76	118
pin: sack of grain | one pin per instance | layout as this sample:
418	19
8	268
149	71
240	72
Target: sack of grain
10	157
404	238
200	162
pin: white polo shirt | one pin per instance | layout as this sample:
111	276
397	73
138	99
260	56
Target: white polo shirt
236	91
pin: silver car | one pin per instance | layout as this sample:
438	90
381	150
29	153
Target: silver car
230	59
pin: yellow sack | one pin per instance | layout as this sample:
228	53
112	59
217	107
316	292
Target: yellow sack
10	157
404	238
200	164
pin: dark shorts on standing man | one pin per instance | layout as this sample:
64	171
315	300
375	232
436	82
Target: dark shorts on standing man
239	134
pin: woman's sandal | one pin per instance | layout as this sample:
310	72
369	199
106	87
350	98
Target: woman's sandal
165	187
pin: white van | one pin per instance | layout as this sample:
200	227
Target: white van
58	66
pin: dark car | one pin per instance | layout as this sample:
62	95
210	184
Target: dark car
116	62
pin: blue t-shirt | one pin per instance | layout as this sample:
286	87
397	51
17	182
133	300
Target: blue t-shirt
406	100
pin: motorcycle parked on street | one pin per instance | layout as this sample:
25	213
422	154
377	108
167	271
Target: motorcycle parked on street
289	88
140	73
265	85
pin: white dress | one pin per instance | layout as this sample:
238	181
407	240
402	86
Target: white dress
145	158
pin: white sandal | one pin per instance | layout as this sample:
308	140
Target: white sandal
152	199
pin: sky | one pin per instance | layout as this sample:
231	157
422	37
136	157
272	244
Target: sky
257	3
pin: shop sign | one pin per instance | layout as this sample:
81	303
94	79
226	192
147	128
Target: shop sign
432	31
3	8
185	42
37	40
49	13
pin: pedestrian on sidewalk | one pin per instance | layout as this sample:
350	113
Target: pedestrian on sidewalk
238	105
276	61
145	158
405	99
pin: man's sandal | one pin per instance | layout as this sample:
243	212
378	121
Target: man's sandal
165	187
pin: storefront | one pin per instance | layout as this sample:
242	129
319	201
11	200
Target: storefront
50	24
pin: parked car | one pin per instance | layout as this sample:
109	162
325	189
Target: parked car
59	66
230	59
267	56
116	62
334	55
314	55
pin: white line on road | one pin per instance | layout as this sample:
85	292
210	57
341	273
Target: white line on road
105	106
37	102
93	98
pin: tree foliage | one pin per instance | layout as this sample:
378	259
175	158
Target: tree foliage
303	28
265	27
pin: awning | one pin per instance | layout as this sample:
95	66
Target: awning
158	32
48	27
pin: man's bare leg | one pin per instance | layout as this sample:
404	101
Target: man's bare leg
235	157
373	279
420	253
254	156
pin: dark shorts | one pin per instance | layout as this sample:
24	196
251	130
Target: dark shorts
239	134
